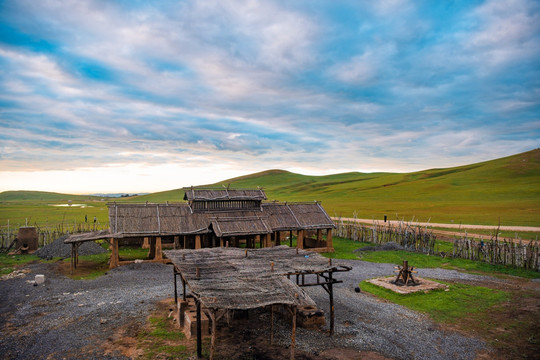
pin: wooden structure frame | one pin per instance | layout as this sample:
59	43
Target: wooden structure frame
214	218
223	279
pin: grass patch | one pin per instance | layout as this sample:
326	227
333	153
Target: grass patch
161	340
344	250
8	263
444	306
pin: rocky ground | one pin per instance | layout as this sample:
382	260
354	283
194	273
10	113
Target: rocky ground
69	319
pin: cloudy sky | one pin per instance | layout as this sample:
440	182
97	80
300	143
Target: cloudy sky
139	96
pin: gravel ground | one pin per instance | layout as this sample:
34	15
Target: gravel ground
58	249
62	316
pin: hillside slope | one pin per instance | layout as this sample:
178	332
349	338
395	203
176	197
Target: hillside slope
507	189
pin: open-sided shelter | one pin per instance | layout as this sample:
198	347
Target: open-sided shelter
218	218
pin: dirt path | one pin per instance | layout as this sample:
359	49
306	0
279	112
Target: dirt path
449	226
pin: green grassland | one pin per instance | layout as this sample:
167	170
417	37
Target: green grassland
505	190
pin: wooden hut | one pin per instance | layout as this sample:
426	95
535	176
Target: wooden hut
219	218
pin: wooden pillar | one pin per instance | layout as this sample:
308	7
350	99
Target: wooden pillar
331	293
198	241
176	242
77	254
268	240
221	242
290	238
199	325
185	241
293	336
319	236
214	317
277	235
300	239
145	244
329	244
72	265
152	251
257	238
175	288
114	254
158	254
183	288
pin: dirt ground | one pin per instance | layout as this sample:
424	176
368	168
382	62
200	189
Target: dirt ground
116	310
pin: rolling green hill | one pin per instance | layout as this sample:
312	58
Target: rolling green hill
507	189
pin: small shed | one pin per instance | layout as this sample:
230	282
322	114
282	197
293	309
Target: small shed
223	279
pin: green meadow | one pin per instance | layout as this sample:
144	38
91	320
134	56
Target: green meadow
505	190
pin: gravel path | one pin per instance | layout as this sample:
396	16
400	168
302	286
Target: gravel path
62	316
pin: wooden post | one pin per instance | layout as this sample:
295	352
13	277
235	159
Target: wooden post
329	244
176	242
221	242
114	254
257	238
331	293
72	265
277	236
214	318
158	254
319	236
152	251
290	238
197	241
293	336
268	240
300	239
199	325
175	288
272	324
146	244
183	288
185	241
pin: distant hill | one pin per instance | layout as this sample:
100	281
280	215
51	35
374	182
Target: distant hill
507	189
42	196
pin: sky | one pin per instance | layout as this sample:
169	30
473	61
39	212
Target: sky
144	96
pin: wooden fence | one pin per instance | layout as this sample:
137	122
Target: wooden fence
499	252
421	239
417	238
47	235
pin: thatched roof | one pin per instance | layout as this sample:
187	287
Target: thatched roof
224	194
233	278
237	226
155	219
89	236
132	220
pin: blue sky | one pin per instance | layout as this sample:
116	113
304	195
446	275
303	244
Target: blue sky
133	96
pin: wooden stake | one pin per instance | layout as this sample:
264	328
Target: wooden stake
293	336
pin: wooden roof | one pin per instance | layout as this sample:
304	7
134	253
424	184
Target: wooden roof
233	278
89	236
224	194
237	226
131	220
